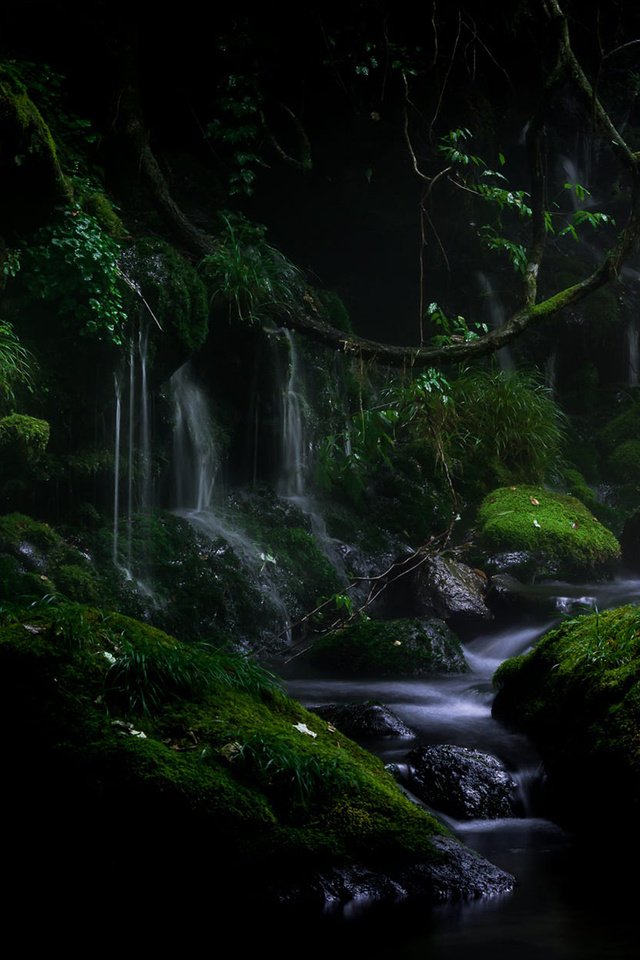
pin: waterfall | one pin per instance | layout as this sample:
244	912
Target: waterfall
196	463
551	370
294	439
132	395
195	453
494	312
145	426
633	340
116	468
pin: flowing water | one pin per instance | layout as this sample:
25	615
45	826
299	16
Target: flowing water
495	314
567	905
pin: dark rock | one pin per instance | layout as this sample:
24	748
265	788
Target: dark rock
463	783
630	541
517	563
367	719
507	592
457	874
439	587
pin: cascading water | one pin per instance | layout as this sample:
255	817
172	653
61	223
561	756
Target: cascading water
196	459
131	393
456	709
551	370
116	460
494	312
196	464
294	433
296	453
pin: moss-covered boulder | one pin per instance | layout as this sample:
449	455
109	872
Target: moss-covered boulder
36	560
550	534
175	756
23	441
390	648
578	695
624	462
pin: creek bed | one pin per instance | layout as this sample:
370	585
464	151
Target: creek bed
570	903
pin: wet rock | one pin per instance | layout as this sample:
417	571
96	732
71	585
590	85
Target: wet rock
367	719
505	592
630	541
457	874
466	784
438	587
516	563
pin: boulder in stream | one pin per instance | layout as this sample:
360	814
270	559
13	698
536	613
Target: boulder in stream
390	648
368	719
465	784
555	535
439	587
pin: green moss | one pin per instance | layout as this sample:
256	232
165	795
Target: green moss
624	462
45	562
578	694
23	439
390	648
626	426
174	291
297	565
77	583
100	207
28	136
558	530
197	763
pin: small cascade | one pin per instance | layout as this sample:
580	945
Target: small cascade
529	780
633	343
294	433
551	370
132	446
196	463
196	460
494	312
144	494
116	460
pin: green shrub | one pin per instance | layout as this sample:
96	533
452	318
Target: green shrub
624	462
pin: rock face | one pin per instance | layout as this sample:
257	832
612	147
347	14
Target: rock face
364	720
390	648
439	587
466	784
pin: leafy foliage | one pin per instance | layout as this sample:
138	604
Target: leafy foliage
471	174
73	264
479	429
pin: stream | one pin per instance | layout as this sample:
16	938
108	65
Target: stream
569	902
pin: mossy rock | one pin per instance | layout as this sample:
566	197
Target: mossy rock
174	293
38	561
626	426
23	441
557	531
390	648
100	207
624	462
271	790
578	695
